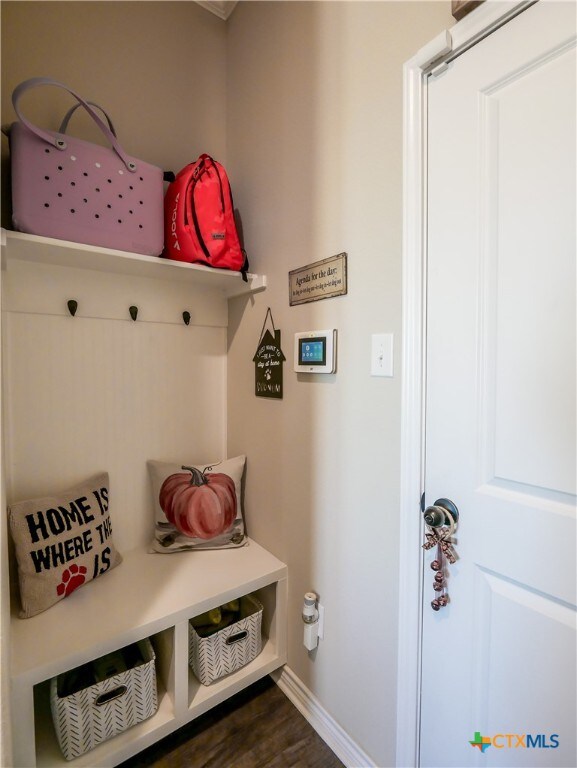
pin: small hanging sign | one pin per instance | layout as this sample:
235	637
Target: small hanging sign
268	362
322	280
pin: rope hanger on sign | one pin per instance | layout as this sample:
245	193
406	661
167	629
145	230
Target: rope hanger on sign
268	314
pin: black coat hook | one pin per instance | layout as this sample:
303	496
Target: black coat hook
186	317
72	305
133	312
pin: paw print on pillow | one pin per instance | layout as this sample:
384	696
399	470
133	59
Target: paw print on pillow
72	578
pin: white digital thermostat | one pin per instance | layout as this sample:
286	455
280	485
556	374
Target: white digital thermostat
316	351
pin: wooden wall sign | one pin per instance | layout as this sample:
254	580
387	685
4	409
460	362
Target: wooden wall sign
460	8
268	360
322	280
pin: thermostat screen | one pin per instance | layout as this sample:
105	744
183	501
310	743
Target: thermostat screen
315	351
312	351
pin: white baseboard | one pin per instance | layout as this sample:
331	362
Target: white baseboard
327	728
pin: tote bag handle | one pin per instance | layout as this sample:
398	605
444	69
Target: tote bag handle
58	140
72	110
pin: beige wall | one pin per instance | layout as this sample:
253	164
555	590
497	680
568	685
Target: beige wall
315	154
158	68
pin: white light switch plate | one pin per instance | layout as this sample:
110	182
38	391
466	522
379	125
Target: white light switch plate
382	354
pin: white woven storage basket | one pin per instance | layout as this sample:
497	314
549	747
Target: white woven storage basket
84	719
229	649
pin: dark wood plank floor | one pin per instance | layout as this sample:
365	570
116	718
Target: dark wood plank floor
257	728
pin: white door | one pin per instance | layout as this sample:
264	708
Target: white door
498	662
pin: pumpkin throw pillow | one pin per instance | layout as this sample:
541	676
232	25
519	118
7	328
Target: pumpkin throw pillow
197	506
62	542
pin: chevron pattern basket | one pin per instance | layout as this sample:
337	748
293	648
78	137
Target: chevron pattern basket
103	710
229	649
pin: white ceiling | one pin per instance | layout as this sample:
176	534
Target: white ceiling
221	8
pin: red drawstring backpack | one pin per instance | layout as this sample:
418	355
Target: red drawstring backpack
199	218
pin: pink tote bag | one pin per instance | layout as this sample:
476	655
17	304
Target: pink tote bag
67	188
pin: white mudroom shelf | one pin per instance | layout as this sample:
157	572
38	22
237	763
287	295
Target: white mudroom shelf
147	595
62	253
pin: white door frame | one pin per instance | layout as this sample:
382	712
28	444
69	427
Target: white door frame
443	49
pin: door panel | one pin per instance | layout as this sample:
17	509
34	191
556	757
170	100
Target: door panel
513	612
499	660
535	272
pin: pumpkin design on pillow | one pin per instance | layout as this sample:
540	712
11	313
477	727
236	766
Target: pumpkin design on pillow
198	503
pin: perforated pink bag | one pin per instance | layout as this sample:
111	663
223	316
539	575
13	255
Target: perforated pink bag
71	189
